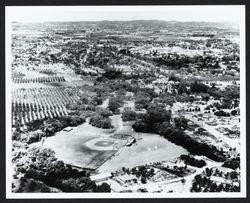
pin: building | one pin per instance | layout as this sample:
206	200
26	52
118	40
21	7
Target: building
126	178
101	177
67	129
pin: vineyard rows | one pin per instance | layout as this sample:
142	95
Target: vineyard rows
39	79
38	103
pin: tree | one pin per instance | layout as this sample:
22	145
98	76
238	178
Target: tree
198	178
96	100
205	97
114	104
141	101
173	78
129	115
208	172
104	187
181	123
221	113
82	184
192	161
143	180
182	88
112	74
100	122
167	99
198	87
166	129
233	112
233	175
233	163
140	126
84	99
103	112
213	187
158	113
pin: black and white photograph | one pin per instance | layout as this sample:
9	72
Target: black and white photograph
125	101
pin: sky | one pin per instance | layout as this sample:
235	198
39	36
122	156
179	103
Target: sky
97	13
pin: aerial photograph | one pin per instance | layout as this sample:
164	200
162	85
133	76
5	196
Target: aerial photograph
125	101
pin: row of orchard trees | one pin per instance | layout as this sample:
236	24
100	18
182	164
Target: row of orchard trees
38	103
39	79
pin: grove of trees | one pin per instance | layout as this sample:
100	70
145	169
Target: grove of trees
41	164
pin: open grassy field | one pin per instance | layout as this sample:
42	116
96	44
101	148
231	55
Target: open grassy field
151	148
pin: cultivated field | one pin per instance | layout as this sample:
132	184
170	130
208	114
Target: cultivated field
39	103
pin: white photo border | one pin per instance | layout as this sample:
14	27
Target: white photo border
11	195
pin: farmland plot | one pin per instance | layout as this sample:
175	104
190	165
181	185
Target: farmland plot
38	103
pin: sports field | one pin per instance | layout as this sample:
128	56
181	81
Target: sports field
76	152
85	146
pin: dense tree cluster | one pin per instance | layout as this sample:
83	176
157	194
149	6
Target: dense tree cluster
143	98
49	128
129	115
222	113
174	78
204	184
150	122
192	161
141	172
34	186
233	163
54	125
194	147
100	121
182	88
114	104
42	165
180	123
231	93
198	87
157	120
167	99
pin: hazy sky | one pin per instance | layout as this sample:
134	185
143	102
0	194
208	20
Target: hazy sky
95	13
